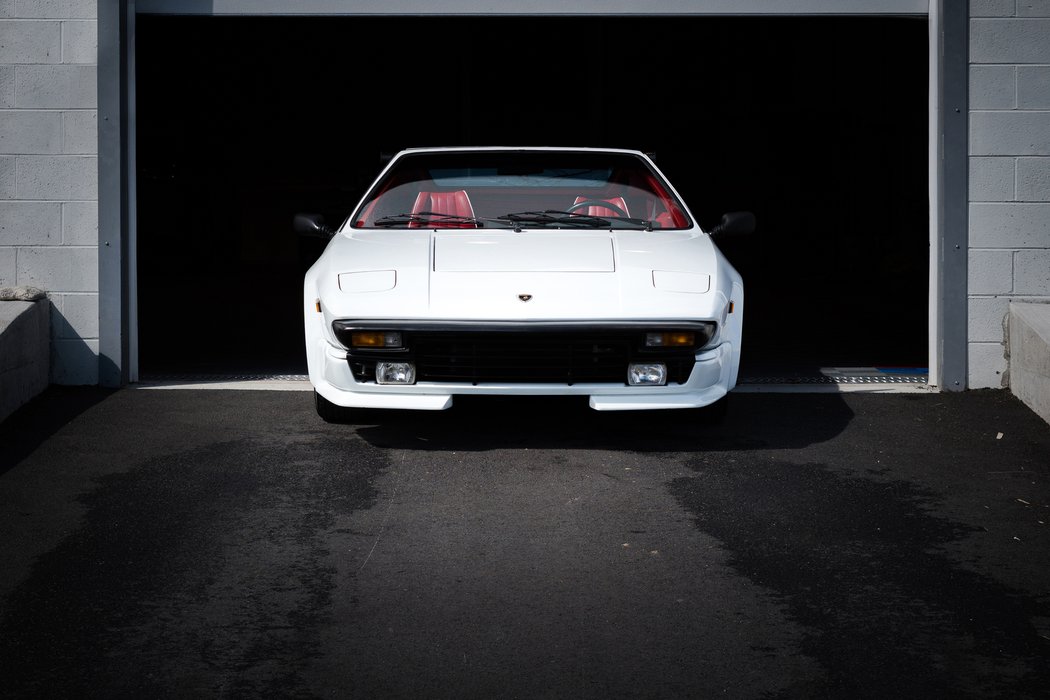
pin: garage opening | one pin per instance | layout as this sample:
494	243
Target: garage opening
816	124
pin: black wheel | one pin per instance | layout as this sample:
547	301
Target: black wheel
716	413
331	413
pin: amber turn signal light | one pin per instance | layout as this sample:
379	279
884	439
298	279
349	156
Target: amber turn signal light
672	339
375	339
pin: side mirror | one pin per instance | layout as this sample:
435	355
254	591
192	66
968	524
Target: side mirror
312	225
735	223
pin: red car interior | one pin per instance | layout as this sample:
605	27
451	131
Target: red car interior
455	203
595	210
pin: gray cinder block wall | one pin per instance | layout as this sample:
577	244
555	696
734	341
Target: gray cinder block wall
1009	174
49	170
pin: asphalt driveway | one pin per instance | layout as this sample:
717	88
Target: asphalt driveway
201	544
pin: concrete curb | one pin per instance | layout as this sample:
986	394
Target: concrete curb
25	352
1030	355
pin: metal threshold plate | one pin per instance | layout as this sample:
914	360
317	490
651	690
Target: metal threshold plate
225	377
843	375
824	379
254	382
838	379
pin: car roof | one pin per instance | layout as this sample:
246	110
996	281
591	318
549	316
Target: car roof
553	149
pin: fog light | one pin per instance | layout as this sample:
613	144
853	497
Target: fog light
647	373
395	373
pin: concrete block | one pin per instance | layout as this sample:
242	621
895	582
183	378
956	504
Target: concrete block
8	266
991	179
1010	133
56	87
30	223
985	319
7	86
58	328
1016	225
74	316
57	177
24	353
80	42
993	87
74	362
17	388
30	131
22	293
49	9
1033	8
991	8
986	363
1030	355
1033	87
24	41
19	326
80	223
990	271
80	131
1032	272
59	269
1033	179
7	177
1009	41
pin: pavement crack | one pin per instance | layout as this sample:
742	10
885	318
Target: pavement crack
386	513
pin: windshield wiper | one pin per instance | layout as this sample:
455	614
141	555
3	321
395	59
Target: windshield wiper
571	219
428	217
553	216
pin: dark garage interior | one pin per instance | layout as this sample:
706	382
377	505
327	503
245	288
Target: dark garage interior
816	124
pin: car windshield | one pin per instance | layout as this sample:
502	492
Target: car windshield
521	189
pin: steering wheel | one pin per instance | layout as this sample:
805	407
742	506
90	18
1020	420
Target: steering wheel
597	203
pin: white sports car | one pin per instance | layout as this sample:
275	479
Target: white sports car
521	271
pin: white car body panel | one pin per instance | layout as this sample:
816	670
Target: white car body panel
657	272
534	251
483	276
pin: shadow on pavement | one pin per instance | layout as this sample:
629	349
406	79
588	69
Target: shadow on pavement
753	421
32	424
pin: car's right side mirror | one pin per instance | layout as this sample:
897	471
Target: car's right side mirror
312	225
735	223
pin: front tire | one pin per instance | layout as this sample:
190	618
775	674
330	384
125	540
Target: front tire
330	412
714	414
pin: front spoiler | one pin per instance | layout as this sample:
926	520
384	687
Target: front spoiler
708	382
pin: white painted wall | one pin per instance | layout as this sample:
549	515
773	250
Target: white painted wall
49	170
1009	173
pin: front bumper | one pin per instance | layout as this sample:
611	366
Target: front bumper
708	382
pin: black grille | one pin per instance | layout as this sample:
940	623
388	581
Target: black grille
525	357
521	357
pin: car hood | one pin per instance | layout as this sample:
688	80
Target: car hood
523	252
529	275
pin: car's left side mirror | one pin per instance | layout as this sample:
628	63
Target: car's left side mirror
735	223
312	225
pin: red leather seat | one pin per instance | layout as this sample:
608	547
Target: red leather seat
443	203
595	210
